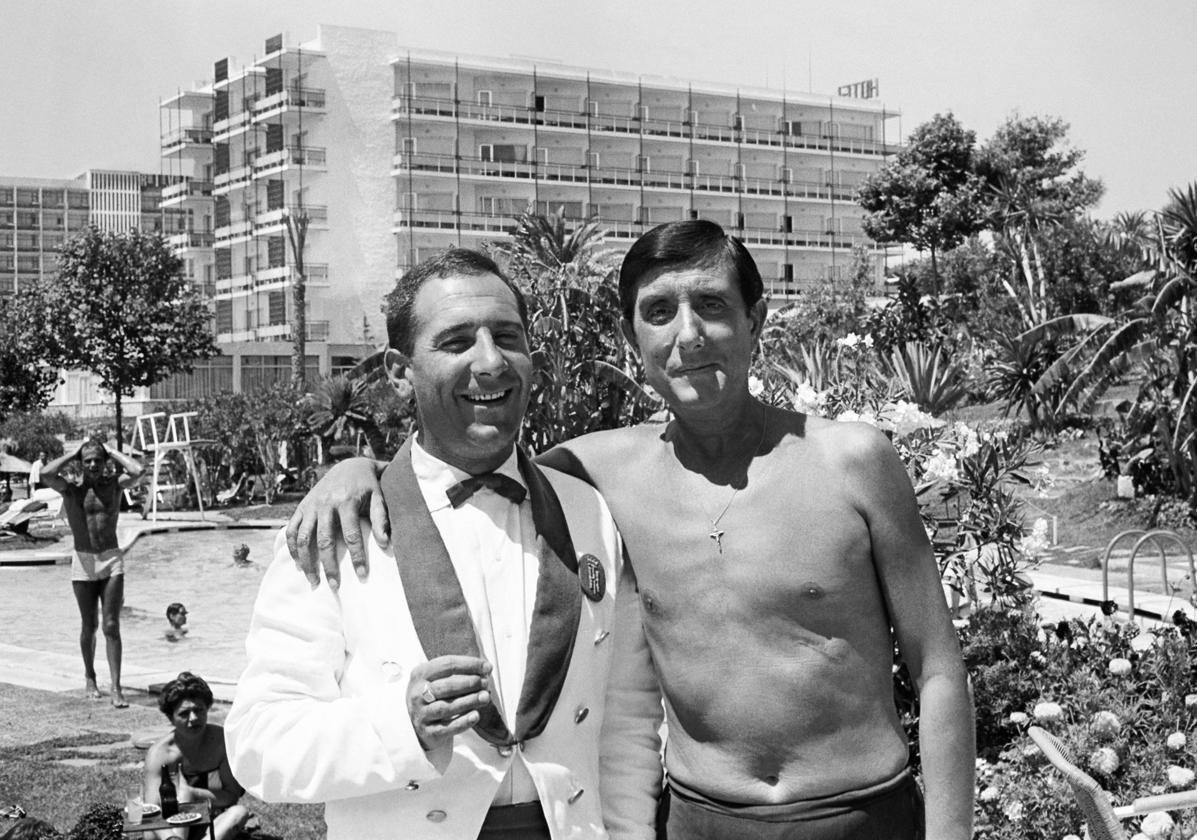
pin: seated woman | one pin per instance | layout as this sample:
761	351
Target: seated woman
194	755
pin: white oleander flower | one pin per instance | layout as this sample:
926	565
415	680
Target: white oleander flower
1104	760
1047	711
1190	701
850	341
1157	824
1018	717
969	440
755	386
1177	741
1180	777
941	466
906	417
1105	724
807	400
850	416
1143	642
1120	667
989	794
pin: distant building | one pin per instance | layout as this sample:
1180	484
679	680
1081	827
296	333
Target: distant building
38	214
395	154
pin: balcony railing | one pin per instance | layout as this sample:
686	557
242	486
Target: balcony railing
271	219
622	229
270	162
615	124
618	176
232	179
309	99
187	188
191	239
172	141
232	123
240	229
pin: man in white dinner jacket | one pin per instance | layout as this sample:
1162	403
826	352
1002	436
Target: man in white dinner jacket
458	692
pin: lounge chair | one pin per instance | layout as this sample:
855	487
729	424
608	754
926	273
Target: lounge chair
1102	816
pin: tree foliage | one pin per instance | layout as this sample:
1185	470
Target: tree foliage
27	383
121	308
586	378
929	196
1033	186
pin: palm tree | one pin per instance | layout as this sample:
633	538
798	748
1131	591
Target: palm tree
342	406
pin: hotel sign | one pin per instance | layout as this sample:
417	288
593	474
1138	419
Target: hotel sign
868	89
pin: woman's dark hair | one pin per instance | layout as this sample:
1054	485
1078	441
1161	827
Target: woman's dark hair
186	686
32	829
693	243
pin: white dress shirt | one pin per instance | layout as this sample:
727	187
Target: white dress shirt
492	544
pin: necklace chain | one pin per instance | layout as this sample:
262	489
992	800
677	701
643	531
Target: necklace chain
716	533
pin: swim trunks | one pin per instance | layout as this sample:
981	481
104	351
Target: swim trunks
86	565
891	810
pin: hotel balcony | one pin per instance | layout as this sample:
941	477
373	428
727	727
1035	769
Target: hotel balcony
313	330
317	275
188	188
308	100
176	141
233	179
231	125
238	231
617	177
272	221
309	157
452	220
420	106
188	240
238	284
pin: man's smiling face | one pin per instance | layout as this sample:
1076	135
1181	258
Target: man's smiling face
470	368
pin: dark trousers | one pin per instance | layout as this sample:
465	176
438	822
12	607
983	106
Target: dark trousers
892	810
515	822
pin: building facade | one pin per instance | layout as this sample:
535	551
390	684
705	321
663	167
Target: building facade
394	154
479	140
37	215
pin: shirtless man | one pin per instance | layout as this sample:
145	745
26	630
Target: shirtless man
92	506
780	557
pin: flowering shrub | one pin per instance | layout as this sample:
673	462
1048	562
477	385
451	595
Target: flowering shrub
1120	699
964	477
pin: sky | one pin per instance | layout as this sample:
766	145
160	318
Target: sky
80	81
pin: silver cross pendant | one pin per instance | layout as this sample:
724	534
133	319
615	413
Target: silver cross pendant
717	535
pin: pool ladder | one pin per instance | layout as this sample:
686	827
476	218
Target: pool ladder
1158	537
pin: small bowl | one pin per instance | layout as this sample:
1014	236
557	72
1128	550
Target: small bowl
150	810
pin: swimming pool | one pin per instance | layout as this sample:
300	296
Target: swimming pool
193	567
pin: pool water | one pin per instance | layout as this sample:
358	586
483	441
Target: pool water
193	567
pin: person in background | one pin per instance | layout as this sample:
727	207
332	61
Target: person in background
35	472
176	617
194	756
92	504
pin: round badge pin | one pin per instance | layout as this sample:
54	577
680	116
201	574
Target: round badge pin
592	577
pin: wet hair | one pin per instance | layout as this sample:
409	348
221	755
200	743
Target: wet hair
93	442
174	609
186	686
400	303
694	243
31	828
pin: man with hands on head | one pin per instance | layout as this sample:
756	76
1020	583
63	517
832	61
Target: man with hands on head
92	501
458	692
779	559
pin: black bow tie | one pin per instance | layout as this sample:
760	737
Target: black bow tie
504	485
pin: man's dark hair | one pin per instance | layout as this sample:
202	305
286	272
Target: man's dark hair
175	609
694	243
186	686
453	262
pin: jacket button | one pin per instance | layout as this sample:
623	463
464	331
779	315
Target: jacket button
581	714
436	816
412	785
575	796
602	634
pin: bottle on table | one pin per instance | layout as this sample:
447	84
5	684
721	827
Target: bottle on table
168	795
